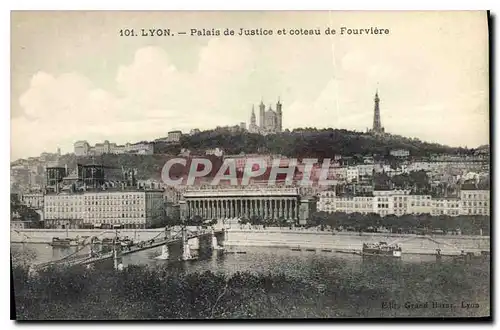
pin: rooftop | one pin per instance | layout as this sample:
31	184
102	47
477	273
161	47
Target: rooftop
107	191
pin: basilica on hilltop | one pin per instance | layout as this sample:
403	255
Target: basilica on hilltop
270	121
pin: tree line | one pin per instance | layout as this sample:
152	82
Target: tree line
312	143
161	293
404	224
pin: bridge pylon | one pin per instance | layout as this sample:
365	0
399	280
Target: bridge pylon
117	257
186	249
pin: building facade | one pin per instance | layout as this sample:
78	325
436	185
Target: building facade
241	160
266	203
400	202
104	209
445	206
215	151
33	200
174	136
475	202
399	153
81	148
420	204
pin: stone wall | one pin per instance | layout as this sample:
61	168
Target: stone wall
351	242
283	237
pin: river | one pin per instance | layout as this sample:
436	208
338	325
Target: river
251	259
440	282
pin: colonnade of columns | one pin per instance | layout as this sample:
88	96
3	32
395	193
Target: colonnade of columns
266	208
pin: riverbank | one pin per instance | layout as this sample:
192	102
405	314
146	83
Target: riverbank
337	288
352	242
287	238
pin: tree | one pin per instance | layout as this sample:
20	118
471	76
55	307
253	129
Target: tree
256	220
196	220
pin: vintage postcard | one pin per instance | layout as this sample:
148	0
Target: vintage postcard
250	165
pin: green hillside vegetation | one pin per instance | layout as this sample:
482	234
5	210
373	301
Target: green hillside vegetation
299	143
313	143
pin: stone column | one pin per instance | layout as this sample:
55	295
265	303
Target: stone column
275	210
297	209
247	208
237	207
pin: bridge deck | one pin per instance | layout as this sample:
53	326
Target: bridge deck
85	260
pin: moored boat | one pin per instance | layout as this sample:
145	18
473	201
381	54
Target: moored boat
382	249
63	242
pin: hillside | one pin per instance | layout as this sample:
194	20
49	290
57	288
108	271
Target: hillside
312	143
300	143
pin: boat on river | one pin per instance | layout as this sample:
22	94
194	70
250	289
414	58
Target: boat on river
382	249
63	242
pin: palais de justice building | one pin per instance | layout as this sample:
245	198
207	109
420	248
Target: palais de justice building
267	203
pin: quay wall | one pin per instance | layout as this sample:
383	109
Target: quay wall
350	242
284	237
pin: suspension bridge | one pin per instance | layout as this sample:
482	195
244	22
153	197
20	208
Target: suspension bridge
119	248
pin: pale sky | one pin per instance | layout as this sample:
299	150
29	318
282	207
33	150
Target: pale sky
74	78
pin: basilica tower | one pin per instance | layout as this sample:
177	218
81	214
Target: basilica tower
262	115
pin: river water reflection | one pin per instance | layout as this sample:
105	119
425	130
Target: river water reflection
413	278
251	259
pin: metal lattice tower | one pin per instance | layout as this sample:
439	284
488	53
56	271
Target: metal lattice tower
377	125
